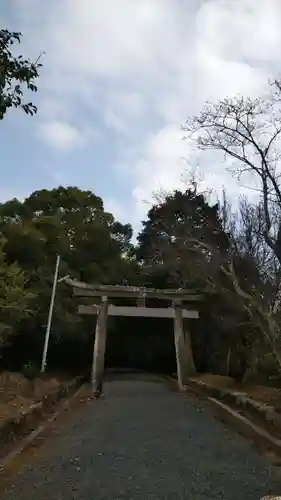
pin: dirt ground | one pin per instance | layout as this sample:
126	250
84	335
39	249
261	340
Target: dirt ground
17	393
266	394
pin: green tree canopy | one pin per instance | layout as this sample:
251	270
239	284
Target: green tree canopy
15	298
16	75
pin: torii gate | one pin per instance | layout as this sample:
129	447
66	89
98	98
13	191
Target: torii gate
179	299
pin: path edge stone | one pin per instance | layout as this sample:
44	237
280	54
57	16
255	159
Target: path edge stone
265	419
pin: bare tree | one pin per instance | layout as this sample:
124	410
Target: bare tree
248	134
247	232
248	131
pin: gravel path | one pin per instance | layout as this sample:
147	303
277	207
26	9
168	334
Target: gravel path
144	442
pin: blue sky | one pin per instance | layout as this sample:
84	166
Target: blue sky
119	78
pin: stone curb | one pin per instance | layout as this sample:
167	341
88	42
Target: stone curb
25	422
243	424
267	415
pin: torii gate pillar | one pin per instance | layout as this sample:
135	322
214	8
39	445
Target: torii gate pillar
99	348
184	359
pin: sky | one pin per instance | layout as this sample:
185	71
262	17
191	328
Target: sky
119	78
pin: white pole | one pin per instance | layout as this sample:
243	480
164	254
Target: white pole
48	329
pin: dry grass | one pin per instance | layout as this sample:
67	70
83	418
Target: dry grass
218	381
266	394
17	393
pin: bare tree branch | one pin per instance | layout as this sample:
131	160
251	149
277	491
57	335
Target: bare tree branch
248	130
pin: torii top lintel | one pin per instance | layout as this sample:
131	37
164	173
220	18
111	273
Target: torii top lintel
82	289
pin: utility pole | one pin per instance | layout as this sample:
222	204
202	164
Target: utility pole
51	308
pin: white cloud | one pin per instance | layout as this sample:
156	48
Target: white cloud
61	136
238	45
232	57
161	167
122	108
241	30
116	208
109	38
142	68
